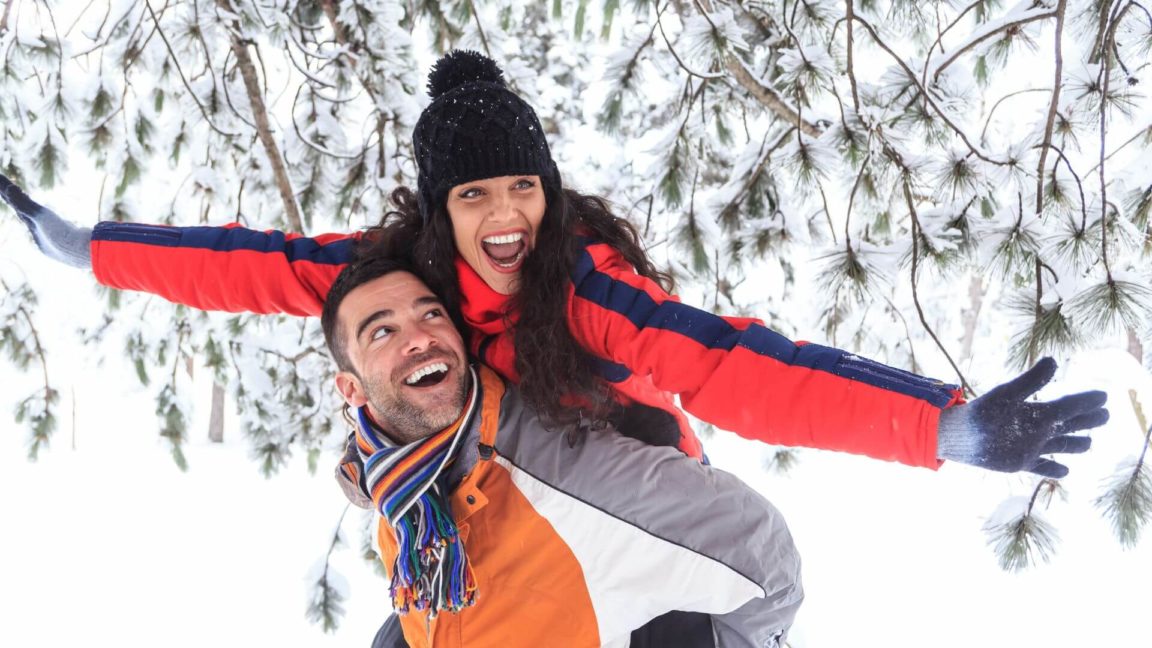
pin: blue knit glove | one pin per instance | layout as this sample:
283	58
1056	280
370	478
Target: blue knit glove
1003	431
56	237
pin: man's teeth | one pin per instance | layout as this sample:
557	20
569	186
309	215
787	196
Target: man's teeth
424	371
505	238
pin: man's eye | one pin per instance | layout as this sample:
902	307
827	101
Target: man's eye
434	313
379	333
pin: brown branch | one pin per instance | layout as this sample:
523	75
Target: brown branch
916	229
850	13
480	29
924	93
180	70
767	96
973	43
39	348
263	126
1061	6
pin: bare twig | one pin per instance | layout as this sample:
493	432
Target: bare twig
992	111
1057	83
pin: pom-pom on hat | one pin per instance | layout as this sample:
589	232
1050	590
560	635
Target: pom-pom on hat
475	128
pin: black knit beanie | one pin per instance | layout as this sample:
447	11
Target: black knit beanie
475	128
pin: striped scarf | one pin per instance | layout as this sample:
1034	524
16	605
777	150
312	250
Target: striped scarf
431	571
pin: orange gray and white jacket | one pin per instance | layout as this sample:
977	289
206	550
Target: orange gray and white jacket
579	545
732	372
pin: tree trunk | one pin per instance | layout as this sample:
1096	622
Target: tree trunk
1135	346
971	316
216	422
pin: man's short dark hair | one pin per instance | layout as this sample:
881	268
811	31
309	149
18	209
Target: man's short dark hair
355	274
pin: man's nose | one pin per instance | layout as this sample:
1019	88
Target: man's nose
419	339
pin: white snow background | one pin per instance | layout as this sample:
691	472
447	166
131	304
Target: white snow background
107	543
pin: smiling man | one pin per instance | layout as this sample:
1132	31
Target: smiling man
497	531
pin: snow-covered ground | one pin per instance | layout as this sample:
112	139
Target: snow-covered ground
108	543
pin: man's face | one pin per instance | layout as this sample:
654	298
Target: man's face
409	362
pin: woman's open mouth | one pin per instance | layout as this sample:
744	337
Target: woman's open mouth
505	251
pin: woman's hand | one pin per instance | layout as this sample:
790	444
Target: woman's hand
1003	431
56	237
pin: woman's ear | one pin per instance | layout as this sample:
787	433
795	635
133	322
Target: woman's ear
350	387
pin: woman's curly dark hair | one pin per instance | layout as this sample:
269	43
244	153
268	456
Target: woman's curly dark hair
553	367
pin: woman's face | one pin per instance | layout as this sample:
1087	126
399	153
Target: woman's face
494	222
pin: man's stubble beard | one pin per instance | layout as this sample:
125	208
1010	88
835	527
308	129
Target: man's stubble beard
405	421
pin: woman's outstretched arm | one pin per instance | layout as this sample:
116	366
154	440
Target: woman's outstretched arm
226	268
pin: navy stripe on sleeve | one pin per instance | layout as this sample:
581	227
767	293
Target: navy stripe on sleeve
713	332
221	239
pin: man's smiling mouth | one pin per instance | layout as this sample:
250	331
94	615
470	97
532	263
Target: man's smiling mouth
428	375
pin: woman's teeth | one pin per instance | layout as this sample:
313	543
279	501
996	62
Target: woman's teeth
505	238
505	250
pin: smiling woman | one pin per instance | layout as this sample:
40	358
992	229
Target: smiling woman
494	224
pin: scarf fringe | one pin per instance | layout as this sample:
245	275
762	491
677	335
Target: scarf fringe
431	572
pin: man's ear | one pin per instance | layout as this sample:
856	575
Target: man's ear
351	388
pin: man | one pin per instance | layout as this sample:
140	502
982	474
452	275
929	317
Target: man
497	531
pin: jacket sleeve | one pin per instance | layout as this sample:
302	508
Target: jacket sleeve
226	268
741	376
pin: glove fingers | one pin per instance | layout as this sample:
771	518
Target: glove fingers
1070	444
1085	421
19	200
1075	405
1049	468
1027	383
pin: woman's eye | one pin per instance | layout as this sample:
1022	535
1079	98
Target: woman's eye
470	193
434	313
525	184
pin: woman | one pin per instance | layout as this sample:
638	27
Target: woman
559	296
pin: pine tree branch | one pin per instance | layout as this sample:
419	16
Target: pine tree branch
927	97
672	50
974	41
1106	77
1057	84
764	94
1079	185
916	229
180	70
263	126
480	28
850	14
36	345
